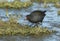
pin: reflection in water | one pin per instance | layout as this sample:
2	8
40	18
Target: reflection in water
51	21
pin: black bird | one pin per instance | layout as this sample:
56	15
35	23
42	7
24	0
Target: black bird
36	16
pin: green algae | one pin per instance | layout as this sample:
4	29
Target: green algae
45	1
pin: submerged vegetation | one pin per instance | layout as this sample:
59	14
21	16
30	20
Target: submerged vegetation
46	1
18	4
59	12
14	4
14	28
57	5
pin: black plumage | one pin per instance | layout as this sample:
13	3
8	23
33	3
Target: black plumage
36	17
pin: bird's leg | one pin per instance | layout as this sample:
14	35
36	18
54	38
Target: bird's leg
36	24
31	25
40	23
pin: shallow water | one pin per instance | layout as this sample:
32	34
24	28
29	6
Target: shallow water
50	21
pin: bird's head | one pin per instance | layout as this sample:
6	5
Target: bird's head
27	17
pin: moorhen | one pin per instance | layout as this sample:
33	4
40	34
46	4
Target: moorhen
36	17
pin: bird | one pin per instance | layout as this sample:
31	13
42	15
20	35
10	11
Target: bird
36	17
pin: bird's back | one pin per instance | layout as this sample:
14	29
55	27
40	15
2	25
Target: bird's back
37	16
